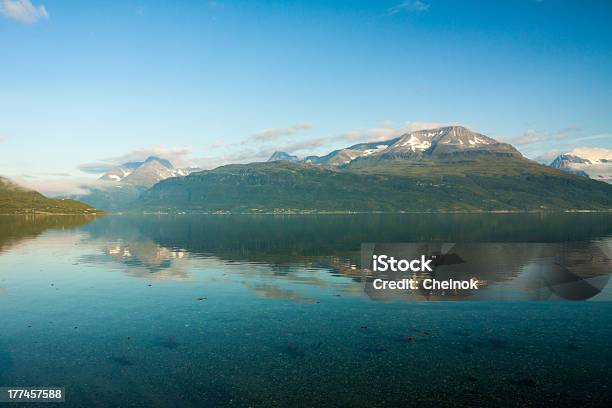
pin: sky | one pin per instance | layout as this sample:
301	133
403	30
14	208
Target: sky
88	85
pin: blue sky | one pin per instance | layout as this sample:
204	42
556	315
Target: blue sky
85	85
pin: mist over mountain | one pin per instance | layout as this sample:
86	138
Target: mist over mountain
15	199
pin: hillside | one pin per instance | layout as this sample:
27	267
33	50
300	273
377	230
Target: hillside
512	184
15	199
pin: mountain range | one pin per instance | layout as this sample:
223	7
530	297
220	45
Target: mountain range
445	169
593	163
436	170
15	199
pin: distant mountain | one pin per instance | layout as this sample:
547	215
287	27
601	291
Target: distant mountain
146	173
122	185
15	199
594	163
445	169
278	156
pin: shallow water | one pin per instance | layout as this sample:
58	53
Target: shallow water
274	311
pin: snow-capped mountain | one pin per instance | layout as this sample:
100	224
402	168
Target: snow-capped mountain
595	163
446	143
146	173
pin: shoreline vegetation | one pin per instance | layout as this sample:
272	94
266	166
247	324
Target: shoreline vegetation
289	213
295	213
52	214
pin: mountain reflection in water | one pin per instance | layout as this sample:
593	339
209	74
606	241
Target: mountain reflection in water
521	256
510	254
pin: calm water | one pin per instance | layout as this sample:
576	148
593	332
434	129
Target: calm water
275	311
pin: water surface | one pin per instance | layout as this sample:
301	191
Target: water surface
274	311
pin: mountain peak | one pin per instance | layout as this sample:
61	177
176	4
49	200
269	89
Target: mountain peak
444	143
278	155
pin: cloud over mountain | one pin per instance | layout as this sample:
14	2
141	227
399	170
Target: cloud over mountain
177	155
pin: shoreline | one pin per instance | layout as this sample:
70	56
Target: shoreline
229	213
366	212
45	214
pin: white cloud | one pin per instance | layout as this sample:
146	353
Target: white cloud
173	154
302	145
218	144
532	136
276	133
178	156
252	155
418	6
56	186
592	153
606	136
547	157
95	167
23	11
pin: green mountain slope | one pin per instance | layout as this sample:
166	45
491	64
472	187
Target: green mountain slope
18	200
513	184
